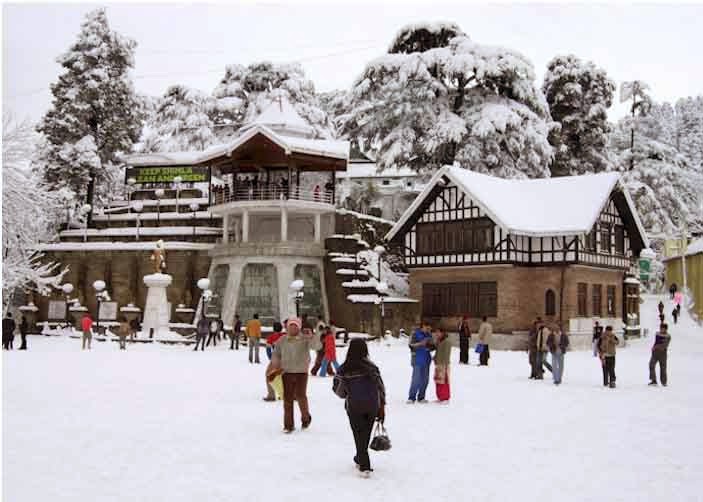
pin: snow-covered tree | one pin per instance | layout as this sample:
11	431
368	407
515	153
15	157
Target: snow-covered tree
689	128
334	104
245	91
93	98
579	95
438	98
27	204
180	122
638	92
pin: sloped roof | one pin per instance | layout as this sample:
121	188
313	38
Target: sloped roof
320	147
282	117
542	207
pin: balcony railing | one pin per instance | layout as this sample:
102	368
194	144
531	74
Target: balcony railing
224	195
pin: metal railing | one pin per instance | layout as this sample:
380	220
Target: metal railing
224	195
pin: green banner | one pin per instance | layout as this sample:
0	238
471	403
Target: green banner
190	174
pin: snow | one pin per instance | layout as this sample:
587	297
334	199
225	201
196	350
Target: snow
172	215
370	171
123	246
143	231
362	216
375	298
527	206
280	114
142	424
343	259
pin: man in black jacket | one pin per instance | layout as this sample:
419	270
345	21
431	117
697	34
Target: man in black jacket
8	331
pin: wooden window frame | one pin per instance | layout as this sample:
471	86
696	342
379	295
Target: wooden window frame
456	299
597	300
468	236
582	299
619	239
550	302
611	297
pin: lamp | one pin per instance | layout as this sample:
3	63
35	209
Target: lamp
194	207
204	285
67	289
130	188
159	192
100	294
297	287
177	181
138	207
86	211
382	288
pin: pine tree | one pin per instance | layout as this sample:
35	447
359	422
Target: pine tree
94	104
638	92
579	95
244	92
180	122
689	126
438	98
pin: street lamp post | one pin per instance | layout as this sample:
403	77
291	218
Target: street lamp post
297	287
86	211
138	207
194	207
100	294
130	188
67	289
177	181
381	286
159	192
204	285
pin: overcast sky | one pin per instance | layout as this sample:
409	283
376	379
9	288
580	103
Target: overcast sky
191	44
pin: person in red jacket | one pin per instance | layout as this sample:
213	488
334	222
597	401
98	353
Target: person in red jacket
330	356
87	327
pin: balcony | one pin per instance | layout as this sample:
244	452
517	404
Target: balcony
276	194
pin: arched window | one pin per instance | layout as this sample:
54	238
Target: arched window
550	303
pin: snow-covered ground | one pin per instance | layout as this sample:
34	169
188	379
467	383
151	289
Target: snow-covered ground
158	422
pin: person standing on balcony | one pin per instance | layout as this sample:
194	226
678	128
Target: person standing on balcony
255	185
316	193
253	336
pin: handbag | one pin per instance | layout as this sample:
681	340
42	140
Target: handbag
380	441
479	348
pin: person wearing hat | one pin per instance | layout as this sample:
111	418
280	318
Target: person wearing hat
292	355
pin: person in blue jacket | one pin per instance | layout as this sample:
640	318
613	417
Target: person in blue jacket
421	345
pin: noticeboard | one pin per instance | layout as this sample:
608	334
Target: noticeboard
166	174
57	310
108	311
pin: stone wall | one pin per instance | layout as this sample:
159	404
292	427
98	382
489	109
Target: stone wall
123	271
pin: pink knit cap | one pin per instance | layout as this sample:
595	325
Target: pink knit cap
296	321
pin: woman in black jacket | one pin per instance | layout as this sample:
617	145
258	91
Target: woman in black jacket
359	382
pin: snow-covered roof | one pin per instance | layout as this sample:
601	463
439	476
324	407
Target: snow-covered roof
282	117
368	170
542	207
123	246
143	231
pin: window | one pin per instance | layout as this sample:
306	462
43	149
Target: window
611	301
597	304
590	243
605	238
550	303
459	298
619	239
386	182
581	299
455	237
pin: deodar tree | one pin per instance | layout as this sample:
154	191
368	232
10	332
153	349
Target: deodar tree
438	98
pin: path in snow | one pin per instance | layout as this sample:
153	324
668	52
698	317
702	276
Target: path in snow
163	423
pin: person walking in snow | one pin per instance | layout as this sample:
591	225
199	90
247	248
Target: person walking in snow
543	333
236	333
672	289
87	327
558	344
292	356
213	331
535	367
441	365
330	353
607	347
253	335
201	332
420	346
464	340
320	355
271	341
123	332
8	330
597	332
659	355
485	333
675	314
359	383
133	329
24	328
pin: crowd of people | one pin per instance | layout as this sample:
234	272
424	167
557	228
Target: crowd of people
254	187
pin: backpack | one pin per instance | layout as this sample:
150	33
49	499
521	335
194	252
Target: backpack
362	393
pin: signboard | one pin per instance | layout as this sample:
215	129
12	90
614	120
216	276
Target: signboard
644	270
57	310
108	311
189	174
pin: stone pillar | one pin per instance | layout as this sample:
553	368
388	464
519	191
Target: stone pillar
318	224
284	224
245	226
156	311
225	228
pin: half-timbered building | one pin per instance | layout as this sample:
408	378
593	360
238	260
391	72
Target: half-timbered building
564	249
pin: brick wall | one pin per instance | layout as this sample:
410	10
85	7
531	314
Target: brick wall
521	291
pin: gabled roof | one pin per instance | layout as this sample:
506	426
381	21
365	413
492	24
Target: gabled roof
543	207
282	117
319	147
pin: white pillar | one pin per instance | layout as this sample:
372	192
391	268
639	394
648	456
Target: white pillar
284	224
286	273
225	228
317	227
236	230
245	226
